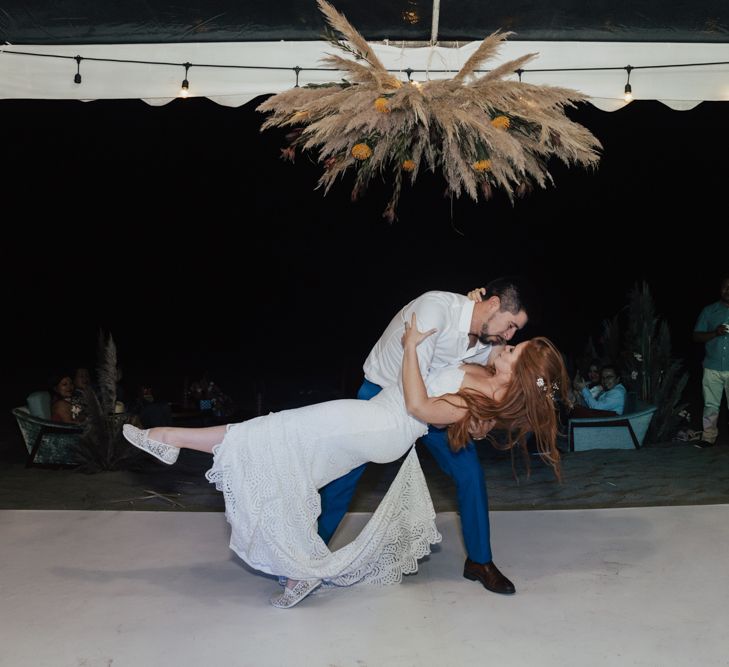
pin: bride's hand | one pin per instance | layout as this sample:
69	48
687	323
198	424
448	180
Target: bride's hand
413	337
477	294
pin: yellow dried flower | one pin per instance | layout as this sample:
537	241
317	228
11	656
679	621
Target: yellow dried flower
482	165
408	165
361	151
300	115
382	105
501	123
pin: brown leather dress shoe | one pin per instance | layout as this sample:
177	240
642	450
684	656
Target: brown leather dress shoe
488	574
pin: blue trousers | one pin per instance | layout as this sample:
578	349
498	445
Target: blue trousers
463	467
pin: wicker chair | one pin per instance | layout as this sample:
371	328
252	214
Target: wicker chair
47	442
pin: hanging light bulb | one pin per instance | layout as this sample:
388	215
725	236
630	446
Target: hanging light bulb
77	77
628	89
185	87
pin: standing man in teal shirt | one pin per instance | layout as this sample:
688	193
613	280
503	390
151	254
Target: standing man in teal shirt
712	329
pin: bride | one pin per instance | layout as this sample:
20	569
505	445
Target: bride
270	468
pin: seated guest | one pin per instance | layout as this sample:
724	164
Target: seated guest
593	383
149	413
593	379
61	388
208	396
610	400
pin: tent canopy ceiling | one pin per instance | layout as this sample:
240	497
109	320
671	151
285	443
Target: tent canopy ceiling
240	50
162	21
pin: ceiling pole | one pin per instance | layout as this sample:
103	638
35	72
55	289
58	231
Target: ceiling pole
436	19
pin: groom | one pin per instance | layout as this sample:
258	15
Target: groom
466	331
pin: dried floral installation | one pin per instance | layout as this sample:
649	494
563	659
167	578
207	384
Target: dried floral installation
481	132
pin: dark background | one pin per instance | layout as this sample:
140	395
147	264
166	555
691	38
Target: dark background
179	230
158	21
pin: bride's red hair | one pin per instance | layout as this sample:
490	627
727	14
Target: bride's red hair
530	403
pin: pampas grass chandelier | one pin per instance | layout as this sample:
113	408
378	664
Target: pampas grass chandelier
481	132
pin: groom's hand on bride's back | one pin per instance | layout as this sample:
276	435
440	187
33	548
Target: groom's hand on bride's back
478	429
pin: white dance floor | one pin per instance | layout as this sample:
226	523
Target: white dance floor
646	586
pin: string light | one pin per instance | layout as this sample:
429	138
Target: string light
628	88
77	78
185	88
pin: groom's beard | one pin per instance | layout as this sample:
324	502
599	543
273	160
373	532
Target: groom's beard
491	339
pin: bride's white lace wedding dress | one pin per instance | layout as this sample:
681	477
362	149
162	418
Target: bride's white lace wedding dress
270	468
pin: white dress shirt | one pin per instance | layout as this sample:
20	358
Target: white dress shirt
447	312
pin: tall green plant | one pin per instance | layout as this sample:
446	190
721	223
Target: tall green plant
648	367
